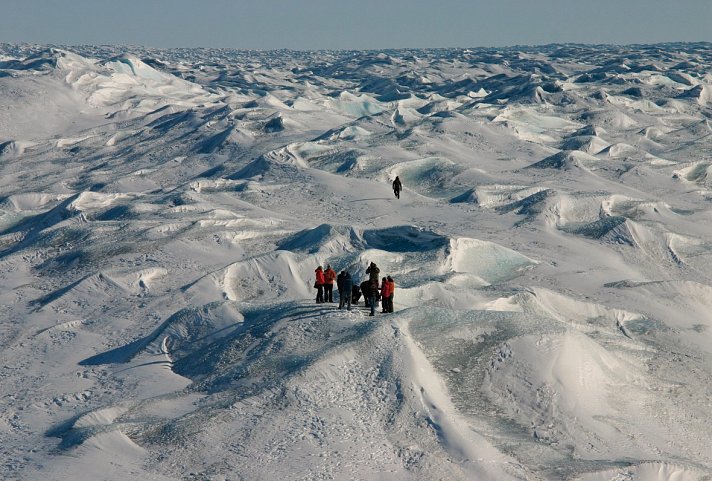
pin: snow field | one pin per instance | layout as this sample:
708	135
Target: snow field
162	214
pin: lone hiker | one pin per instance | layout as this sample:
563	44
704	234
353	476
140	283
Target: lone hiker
397	187
319	284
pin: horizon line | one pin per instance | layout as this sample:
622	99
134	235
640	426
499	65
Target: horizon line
379	49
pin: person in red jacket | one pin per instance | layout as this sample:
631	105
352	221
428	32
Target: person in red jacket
391	292
384	294
319	284
329	277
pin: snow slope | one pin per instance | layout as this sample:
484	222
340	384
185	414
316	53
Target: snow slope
162	213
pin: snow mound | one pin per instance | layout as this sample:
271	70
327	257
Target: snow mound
647	472
580	383
636	209
430	176
565	160
588	317
404	116
14	148
132	66
702	94
227	138
697	172
309	363
532	125
32	201
652	133
399	251
125	83
275	124
596	214
350	132
486	260
460	292
619	150
403	239
589	130
507	198
355	105
590	144
324	239
681	77
91	201
609	119
100	287
182	333
353	133
192	329
43	60
282	162
280	274
441	105
615	229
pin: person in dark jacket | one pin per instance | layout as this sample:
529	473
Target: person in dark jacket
355	294
397	187
372	272
340	287
373	295
345	291
366	291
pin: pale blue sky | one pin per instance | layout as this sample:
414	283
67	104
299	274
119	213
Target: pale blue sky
363	24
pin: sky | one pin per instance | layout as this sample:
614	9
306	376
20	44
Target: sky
362	24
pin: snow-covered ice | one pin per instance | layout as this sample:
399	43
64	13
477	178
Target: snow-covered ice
162	213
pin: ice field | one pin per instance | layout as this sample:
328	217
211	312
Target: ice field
162	213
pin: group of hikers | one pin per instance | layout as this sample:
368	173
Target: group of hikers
372	291
349	293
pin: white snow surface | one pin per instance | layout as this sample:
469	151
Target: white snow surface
162	213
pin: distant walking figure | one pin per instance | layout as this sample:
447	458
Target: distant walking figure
397	187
